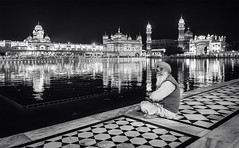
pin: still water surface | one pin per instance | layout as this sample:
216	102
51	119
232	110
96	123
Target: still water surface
41	80
31	82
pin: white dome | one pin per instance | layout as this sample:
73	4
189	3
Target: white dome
188	33
148	26
47	37
38	27
181	20
139	37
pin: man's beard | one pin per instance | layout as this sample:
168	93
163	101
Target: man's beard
160	80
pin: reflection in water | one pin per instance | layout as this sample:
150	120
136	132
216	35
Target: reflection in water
38	83
122	73
79	73
113	73
202	73
197	73
148	76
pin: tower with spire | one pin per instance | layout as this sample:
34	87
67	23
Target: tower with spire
148	40
181	29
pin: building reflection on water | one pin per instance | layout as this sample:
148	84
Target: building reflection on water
113	73
201	73
122	73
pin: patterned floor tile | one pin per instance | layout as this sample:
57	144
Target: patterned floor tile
120	132
209	108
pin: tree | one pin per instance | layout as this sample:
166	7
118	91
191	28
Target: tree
171	50
2	51
233	46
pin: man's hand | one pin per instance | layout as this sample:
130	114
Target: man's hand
148	94
149	99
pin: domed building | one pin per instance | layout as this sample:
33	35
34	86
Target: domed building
38	35
204	45
120	45
188	35
38	41
40	45
199	45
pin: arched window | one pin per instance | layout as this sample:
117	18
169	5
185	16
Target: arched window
42	47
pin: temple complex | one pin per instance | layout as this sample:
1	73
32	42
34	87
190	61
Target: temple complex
39	44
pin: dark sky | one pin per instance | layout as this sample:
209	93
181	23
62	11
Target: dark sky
85	21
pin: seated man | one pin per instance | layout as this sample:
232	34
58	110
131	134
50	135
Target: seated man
165	100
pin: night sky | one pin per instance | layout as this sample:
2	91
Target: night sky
81	21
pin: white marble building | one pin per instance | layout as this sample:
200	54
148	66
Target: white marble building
210	44
120	45
40	44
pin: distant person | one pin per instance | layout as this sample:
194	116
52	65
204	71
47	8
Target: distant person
165	100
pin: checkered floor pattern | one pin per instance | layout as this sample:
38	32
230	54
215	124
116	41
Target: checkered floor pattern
120	132
208	108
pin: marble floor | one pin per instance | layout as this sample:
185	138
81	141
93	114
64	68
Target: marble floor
207	118
118	132
209	108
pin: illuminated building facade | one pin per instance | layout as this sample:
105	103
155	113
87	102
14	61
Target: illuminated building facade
38	35
41	45
120	45
199	45
187	37
210	44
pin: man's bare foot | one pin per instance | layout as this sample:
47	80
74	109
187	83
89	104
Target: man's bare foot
137	108
150	116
